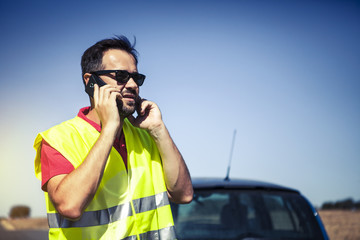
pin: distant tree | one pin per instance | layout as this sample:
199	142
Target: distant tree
20	212
346	204
357	205
327	206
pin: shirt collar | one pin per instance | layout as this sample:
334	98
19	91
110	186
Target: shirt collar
82	114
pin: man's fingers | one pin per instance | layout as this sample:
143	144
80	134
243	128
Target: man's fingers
96	93
143	106
109	92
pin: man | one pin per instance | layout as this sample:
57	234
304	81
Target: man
107	174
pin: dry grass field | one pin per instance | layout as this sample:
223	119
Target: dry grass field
25	224
340	225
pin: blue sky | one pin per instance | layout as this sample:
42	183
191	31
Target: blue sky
284	74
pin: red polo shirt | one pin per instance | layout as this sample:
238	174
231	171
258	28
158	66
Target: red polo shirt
53	163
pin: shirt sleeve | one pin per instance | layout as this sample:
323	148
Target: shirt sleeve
52	164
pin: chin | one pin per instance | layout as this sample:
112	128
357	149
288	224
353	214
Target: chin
126	111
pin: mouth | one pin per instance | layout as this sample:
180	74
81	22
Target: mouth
129	96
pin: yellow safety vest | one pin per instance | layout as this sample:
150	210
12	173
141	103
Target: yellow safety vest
130	204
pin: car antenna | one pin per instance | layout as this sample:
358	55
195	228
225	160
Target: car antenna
227	178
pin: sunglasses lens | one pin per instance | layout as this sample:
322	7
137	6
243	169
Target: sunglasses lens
139	79
122	76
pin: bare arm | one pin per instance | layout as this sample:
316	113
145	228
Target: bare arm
176	173
71	193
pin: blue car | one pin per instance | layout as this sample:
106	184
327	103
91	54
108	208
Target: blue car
243	209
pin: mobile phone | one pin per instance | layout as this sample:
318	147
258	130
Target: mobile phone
89	88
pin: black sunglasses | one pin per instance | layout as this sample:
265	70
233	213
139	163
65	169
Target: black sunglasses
123	76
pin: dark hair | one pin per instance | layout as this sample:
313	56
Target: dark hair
91	60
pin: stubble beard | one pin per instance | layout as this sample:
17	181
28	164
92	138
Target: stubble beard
125	110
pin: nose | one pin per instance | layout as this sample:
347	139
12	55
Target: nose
131	84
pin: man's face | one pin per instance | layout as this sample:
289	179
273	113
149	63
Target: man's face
116	59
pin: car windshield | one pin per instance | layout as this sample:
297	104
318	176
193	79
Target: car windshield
239	214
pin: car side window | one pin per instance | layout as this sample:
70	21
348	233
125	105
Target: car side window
282	216
235	214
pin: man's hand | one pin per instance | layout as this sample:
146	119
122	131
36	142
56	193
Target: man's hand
105	105
149	117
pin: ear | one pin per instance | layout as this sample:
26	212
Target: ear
86	78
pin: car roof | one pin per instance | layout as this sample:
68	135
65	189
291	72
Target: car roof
221	183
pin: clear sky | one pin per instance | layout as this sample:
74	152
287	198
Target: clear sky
284	74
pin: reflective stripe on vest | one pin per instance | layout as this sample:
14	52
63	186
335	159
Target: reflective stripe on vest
150	203
165	233
113	214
